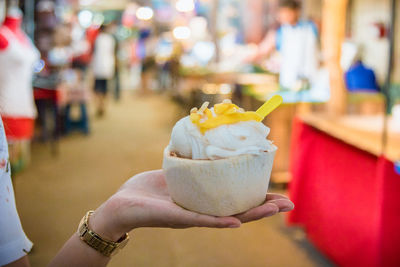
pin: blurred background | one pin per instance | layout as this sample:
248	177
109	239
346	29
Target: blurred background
90	90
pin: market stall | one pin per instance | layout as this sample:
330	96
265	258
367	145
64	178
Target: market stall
345	188
344	162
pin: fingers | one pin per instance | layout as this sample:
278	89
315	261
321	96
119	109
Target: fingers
273	196
284	205
190	219
274	203
282	202
265	210
183	218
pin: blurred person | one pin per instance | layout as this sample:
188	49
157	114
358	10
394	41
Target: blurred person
146	49
359	77
81	47
143	201
91	34
18	56
103	66
14	244
297	43
61	54
168	61
116	81
134	63
175	64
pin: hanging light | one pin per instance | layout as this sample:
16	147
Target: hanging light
225	89
144	13
86	2
181	32
85	18
184	5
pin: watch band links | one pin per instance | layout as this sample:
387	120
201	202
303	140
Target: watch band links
91	238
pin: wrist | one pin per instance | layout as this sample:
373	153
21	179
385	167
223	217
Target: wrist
117	216
105	225
103	242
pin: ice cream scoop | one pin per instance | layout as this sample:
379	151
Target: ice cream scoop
245	137
220	132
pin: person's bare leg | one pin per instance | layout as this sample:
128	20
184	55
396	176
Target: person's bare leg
100	104
146	79
144	83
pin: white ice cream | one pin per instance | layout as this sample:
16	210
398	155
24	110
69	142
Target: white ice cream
246	137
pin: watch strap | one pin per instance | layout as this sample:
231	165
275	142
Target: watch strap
106	247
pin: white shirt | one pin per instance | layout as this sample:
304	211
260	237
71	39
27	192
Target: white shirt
14	244
16	64
104	56
298	47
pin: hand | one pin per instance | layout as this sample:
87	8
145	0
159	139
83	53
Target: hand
144	201
274	203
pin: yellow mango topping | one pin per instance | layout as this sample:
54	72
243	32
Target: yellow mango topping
225	113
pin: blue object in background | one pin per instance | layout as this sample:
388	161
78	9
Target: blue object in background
201	9
361	78
144	34
141	47
81	124
397	167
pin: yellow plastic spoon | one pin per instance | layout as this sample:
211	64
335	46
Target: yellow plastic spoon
269	106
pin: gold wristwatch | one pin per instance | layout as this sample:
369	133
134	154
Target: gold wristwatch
106	247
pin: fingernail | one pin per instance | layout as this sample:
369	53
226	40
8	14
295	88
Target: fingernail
234	226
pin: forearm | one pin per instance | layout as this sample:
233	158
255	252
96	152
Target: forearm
77	253
267	46
264	52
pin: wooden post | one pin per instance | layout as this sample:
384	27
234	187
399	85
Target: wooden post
333	34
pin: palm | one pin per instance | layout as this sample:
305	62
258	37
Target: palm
148	197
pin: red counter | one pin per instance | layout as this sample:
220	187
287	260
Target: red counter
347	200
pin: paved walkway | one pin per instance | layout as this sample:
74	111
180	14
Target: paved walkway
54	193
